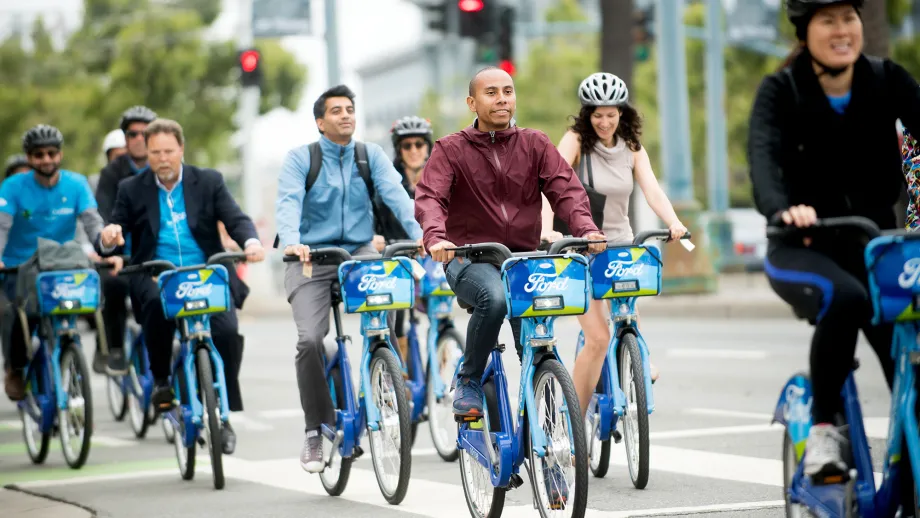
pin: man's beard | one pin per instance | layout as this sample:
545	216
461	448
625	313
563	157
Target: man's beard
167	175
47	175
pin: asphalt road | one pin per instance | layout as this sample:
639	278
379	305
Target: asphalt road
714	452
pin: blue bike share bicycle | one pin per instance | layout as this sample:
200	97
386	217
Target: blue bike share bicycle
191	295
620	274
430	381
58	397
893	264
369	285
549	431
130	394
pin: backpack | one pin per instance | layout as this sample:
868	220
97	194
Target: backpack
364	171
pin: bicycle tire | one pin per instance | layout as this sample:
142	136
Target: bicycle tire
393	369
186	468
209	395
135	406
38	453
115	384
72	350
336	487
498	493
448	455
577	426
638	469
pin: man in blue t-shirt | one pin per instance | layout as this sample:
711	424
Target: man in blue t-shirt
42	203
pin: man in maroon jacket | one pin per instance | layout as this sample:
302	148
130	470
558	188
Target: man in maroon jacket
483	184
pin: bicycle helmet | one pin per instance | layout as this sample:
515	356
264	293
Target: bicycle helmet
136	114
114	139
15	162
410	126
42	136
800	12
603	89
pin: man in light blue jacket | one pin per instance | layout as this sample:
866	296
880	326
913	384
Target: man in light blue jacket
333	208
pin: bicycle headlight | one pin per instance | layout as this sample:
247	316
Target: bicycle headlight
69	305
196	305
547	303
384	299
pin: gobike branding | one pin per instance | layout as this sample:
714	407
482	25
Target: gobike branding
68	291
540	282
193	290
620	269
795	410
908	278
371	282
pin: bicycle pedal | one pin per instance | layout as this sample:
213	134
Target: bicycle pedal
201	441
467	418
617	436
830	479
359	451
516	481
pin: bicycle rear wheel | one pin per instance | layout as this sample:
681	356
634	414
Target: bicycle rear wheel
76	421
211	419
635	422
37	442
440	413
388	391
140	420
565	462
335	475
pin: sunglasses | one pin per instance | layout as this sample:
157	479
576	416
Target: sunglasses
132	133
38	155
406	146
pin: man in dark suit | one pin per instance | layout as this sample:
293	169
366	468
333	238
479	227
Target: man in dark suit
172	213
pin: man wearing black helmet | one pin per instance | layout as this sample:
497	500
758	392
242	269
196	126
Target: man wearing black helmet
16	164
823	144
115	289
42	203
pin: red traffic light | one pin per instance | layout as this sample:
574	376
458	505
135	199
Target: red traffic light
470	6
507	66
249	60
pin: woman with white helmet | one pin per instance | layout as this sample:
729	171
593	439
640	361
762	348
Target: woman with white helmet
604	142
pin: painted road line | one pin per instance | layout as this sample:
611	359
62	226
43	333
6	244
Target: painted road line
10	424
246	423
281	413
46	476
719	430
19	447
722	354
683	511
876	427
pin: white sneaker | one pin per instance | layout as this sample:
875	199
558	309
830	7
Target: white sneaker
823	454
311	457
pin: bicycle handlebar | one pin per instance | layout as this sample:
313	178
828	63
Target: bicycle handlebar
159	265
866	225
578	243
323	256
404	247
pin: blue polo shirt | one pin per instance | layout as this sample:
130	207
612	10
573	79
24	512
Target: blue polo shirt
175	242
39	211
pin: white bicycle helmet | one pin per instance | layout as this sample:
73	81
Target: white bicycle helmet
603	89
114	139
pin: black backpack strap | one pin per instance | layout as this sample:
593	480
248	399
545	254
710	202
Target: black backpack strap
364	170
587	159
316	164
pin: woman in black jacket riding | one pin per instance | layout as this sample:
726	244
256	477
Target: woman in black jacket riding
823	143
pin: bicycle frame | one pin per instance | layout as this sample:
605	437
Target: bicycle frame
511	440
46	370
439	318
189	343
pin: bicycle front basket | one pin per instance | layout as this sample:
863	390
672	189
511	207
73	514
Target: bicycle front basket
631	271
546	286
186	293
893	263
377	285
67	292
434	284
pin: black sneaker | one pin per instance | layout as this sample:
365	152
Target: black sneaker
227	439
116	364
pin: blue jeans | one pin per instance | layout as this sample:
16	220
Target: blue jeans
480	285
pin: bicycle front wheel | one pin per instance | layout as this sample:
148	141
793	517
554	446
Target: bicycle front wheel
560	478
635	422
76	421
211	419
391	443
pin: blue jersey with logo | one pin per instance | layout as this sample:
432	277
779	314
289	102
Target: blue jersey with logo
39	211
176	243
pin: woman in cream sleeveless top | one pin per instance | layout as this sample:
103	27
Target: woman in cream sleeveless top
603	145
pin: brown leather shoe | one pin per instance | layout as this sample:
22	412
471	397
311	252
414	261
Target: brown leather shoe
14	385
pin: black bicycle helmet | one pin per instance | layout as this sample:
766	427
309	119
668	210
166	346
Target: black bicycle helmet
42	136
800	12
136	114
410	126
14	162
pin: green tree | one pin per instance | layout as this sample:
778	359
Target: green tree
284	76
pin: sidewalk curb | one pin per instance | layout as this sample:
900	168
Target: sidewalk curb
58	506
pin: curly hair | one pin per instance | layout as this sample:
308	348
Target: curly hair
628	129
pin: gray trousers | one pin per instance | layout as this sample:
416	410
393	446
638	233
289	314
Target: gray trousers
311	302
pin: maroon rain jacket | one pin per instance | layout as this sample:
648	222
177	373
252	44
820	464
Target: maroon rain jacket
482	187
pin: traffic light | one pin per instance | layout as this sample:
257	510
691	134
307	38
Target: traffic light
506	39
437	15
643	20
476	18
250	62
